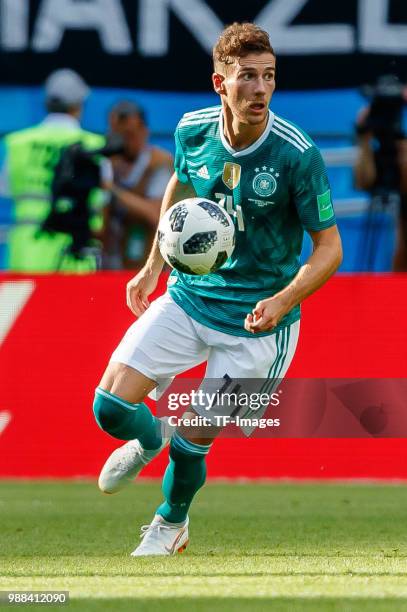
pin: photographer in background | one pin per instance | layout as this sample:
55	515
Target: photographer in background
30	160
141	173
381	164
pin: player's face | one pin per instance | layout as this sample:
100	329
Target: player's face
249	85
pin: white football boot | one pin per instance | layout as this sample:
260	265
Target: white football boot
124	464
162	538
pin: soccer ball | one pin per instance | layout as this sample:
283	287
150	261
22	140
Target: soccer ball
196	236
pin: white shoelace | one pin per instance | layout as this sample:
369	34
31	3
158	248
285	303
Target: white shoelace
157	526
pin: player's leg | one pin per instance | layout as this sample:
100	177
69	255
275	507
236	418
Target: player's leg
122	384
186	471
159	345
127	382
184	476
119	407
231	359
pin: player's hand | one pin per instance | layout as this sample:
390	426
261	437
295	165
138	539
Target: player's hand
266	315
139	288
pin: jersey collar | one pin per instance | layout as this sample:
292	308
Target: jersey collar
255	145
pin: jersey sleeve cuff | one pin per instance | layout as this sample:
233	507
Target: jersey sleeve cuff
321	225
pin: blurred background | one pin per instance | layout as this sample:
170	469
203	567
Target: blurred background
337	74
90	93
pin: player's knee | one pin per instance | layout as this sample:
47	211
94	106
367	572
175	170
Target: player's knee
119	418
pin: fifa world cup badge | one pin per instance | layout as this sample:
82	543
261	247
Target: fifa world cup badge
231	174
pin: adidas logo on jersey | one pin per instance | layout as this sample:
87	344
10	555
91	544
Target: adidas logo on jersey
203	173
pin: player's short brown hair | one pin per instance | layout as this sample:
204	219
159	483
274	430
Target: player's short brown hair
238	40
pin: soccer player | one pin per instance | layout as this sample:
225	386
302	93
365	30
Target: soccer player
244	319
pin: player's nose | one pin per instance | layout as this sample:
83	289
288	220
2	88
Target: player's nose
260	86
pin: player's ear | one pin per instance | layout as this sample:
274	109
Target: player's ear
218	83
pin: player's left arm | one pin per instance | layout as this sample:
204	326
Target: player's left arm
312	198
321	265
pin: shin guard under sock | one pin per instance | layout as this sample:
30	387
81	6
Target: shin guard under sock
184	476
127	421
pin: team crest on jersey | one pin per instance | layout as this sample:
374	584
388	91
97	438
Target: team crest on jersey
231	174
265	181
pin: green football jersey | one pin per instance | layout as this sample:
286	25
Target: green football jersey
274	189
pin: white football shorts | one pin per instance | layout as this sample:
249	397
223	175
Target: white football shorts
165	341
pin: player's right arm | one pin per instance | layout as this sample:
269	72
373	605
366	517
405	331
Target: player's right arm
144	283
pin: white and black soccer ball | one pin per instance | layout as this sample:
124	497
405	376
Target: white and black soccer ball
196	236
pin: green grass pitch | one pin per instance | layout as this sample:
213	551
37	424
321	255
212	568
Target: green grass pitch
255	547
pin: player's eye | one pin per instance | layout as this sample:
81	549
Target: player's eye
269	76
248	76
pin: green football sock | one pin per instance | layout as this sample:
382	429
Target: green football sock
127	421
184	476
